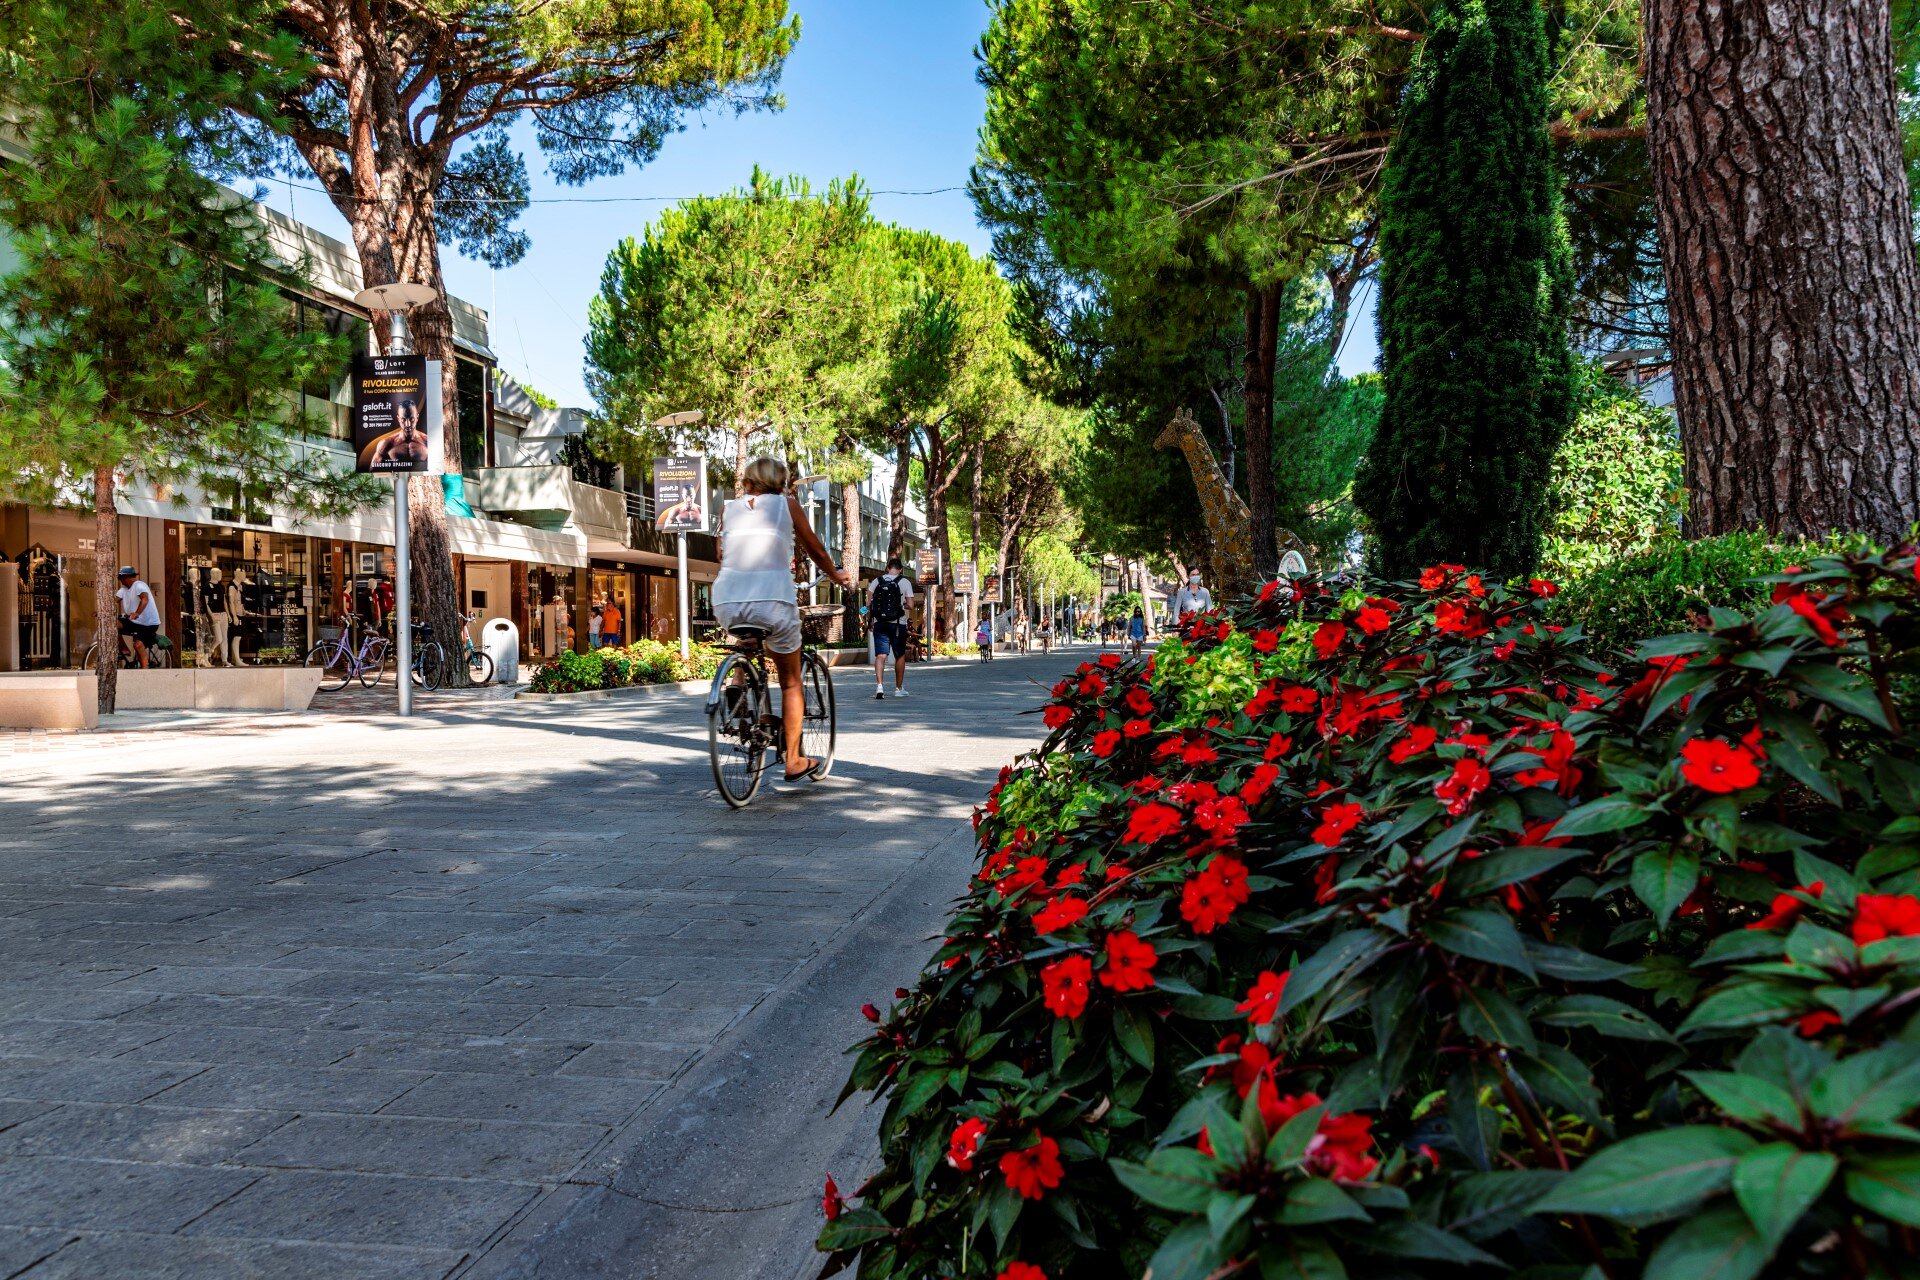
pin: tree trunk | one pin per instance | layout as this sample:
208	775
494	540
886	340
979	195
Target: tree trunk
1786	232
897	500
1263	336
850	549
106	604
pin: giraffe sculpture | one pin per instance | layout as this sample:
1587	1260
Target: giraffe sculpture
1229	525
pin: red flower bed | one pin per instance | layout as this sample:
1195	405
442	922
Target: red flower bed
1379	931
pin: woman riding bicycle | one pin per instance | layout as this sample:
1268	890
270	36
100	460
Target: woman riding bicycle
755	587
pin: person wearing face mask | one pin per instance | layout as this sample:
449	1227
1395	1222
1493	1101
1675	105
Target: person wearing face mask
1190	598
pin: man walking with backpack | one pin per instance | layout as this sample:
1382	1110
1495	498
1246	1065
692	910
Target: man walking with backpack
887	603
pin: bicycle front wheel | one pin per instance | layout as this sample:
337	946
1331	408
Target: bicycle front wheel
479	667
373	664
818	729
335	667
735	739
90	661
429	665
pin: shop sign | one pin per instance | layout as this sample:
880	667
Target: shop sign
397	423
679	493
963	580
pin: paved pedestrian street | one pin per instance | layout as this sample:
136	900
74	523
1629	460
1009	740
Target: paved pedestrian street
502	991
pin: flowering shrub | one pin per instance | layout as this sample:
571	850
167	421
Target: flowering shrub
1376	930
614	666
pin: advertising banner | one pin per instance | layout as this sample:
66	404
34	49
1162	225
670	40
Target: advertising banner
963	580
397	419
990	593
929	563
679	494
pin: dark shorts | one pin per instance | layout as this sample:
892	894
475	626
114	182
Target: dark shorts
889	638
139	631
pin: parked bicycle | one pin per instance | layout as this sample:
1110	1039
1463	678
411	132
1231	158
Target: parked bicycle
429	658
159	654
341	659
744	726
479	662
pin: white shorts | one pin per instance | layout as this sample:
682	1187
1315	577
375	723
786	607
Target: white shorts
780	619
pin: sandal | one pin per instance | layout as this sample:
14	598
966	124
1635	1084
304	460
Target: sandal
813	767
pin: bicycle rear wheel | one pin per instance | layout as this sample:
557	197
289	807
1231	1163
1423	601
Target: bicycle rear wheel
372	666
818	729
429	665
479	667
735	739
335	665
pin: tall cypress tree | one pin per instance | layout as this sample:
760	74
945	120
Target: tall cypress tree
1475	282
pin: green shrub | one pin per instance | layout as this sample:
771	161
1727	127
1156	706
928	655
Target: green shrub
570	673
1615	488
1669	586
1381	933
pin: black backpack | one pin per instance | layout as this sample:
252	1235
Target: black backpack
887	605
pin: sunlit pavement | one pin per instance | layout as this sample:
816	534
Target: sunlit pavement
503	990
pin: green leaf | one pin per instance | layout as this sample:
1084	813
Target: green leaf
1289	1145
1777	1183
1746	1004
1484	1205
1898	782
1652	1177
1133	1028
1880	1085
1177	1179
1353	949
1508	866
1225	1212
1318	1200
1563	1079
1608	1017
1003	1210
1412	1238
1573	965
1746	1097
1476	1129
1742	944
1663	878
1841	886
1486	1013
1842	690
1226	1134
1300	1255
1799	751
1609	813
1886	1185
853	1228
1188	1253
920	1090
1207	1008
1719	1244
1481	935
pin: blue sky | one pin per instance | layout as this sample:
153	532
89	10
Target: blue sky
881	88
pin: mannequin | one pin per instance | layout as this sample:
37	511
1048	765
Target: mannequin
202	623
237	612
215	600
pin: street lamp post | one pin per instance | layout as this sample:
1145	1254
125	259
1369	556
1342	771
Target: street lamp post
683	418
396	300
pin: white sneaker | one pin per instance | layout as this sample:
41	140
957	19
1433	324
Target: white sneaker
878	692
899	693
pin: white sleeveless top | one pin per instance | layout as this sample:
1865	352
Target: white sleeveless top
756	550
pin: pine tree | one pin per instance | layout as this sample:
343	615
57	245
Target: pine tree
143	331
1475	283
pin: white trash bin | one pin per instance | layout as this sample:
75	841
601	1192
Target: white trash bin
500	640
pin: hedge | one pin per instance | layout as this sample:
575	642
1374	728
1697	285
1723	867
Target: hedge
1376	930
616	666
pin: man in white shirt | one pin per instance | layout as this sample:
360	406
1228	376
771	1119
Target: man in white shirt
889	600
139	615
1190	598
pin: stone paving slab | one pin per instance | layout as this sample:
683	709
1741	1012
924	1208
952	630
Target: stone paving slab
337	995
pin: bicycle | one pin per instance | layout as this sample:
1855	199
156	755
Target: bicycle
429	658
744	723
479	661
339	663
157	654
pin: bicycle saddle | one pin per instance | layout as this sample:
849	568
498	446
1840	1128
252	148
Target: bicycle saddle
747	633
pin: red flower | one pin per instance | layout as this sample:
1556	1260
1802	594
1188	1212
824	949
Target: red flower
1418	739
1278	745
1341	1145
1021	1271
870	1012
1029	872
1137	728
1093	684
1129	961
832	1201
1109	660
1057	716
1105	741
1298	698
1033	1171
1209	897
1473	587
1434	578
1542	588
1263	998
1809	609
1255	788
1336	820
1325	876
1326	640
1198	752
1885	915
1261	702
965	1144
1372	620
1265	642
1059	914
1468	779
1139	701
1786	908
1719	766
1063	985
1151	823
1812	1024
1073	874
1464	620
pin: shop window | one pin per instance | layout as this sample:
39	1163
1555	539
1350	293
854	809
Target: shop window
470	385
247	597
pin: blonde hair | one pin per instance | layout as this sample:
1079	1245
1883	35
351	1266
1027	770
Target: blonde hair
764	475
